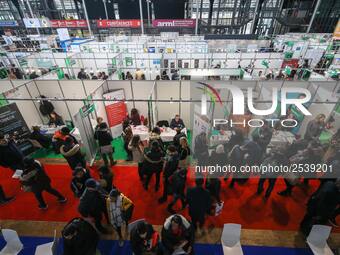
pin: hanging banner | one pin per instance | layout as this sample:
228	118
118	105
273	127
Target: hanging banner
174	23
336	34
116	111
76	23
107	23
32	23
8	23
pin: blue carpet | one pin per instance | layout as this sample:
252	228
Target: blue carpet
109	247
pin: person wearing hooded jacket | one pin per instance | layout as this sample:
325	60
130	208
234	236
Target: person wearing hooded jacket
143	239
72	153
79	238
177	232
45	107
35	179
153	163
170	166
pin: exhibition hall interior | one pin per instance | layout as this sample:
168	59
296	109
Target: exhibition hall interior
169	127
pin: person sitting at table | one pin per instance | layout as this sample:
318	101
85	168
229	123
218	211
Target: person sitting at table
36	135
177	122
55	120
134	117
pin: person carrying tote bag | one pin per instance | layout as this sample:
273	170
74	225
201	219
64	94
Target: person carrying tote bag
104	138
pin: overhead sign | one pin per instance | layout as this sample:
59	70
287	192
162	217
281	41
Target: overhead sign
107	23
8	23
174	23
32	23
76	23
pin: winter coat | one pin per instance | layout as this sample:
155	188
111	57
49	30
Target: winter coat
45	141
84	242
46	108
177	124
10	155
138	244
137	153
178	181
170	240
35	177
170	164
199	201
156	137
153	161
103	136
73	155
78	184
313	130
91	203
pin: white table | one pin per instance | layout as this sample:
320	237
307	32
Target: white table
167	134
47	130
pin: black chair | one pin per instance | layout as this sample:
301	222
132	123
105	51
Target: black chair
163	123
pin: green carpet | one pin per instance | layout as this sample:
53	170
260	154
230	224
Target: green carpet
117	143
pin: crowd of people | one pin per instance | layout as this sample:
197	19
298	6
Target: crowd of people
100	199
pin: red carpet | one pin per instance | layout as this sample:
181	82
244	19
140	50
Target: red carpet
241	205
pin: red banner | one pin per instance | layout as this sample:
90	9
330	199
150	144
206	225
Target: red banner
173	23
107	23
77	23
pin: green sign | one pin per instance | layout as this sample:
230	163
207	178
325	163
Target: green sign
69	61
128	61
265	63
60	74
288	54
114	62
3	100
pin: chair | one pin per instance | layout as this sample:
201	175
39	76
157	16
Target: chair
230	239
13	243
48	248
133	224
317	240
162	123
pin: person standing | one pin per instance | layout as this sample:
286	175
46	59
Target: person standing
72	153
10	155
35	179
3	199
137	148
79	238
80	176
144	239
315	127
106	178
120	209
153	163
46	107
199	203
184	153
170	166
178	181
92	204
104	138
177	232
127	136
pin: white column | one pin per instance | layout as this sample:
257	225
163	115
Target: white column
196	27
141	16
31	12
87	19
105	8
314	14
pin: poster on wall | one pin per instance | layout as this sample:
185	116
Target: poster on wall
116	111
12	121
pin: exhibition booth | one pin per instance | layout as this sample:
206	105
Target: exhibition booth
80	102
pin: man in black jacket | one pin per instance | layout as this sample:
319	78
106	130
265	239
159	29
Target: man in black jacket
46	107
199	203
177	137
141	238
170	166
79	238
177	232
92	204
10	154
177	122
322	205
80	176
178	181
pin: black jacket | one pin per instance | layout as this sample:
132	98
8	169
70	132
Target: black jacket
153	161
103	136
171	165
45	141
176	139
57	122
78	184
36	177
178	181
199	201
10	154
91	203
138	245
84	242
46	108
170	240
73	156
175	124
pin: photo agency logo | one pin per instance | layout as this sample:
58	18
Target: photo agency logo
281	103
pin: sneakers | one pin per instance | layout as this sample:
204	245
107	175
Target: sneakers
63	200
43	207
7	200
